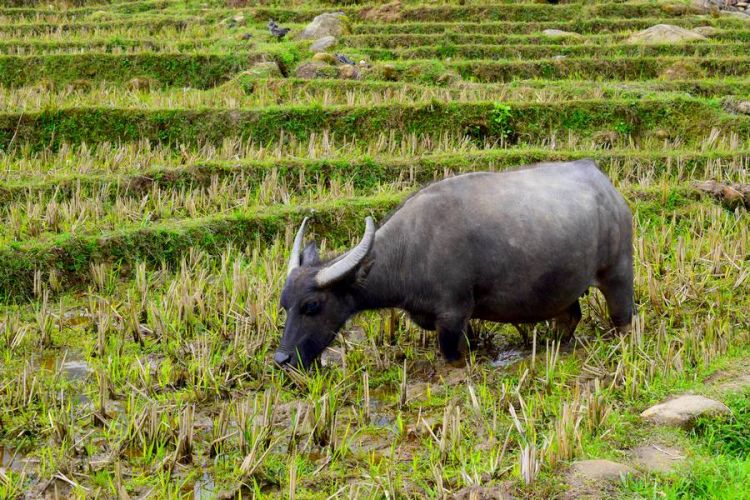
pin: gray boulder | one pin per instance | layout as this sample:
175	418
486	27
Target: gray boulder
664	33
683	410
330	24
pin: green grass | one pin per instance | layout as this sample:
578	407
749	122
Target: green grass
528	122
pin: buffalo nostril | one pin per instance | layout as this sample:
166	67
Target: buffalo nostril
281	358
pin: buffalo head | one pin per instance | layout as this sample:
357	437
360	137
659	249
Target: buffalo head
319	297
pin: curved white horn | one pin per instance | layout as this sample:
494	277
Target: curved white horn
350	260
294	259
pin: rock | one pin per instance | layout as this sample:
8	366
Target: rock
664	33
552	33
733	105
662	134
322	44
606	138
731	195
329	24
325	58
315	69
657	458
706	31
332	357
683	410
266	69
681	70
388	12
348	72
600	470
389	72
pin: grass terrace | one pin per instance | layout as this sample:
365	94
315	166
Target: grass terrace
157	156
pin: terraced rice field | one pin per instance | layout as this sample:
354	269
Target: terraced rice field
157	156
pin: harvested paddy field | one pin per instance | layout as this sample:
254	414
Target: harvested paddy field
158	156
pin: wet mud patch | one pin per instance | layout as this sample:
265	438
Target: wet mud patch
70	363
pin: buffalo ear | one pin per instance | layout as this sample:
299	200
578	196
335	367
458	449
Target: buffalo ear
310	256
364	269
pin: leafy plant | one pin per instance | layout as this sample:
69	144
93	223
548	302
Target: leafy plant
500	120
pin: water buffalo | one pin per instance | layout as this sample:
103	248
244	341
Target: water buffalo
519	246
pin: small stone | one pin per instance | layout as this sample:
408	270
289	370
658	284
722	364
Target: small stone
664	33
363	63
601	470
657	458
332	357
683	410
662	134
390	73
553	33
606	138
315	69
348	72
324	57
322	44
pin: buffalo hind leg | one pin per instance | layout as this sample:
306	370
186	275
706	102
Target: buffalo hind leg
617	288
565	324
522	329
451	330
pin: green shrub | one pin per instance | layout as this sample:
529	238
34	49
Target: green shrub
500	121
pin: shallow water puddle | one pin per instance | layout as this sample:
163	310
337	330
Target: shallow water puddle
74	366
11	459
204	487
507	358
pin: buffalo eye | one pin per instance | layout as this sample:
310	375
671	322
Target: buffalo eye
310	308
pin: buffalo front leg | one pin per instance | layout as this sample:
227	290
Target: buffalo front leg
451	330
